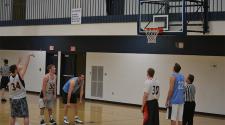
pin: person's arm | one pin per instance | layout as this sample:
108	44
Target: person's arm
18	62
81	91
170	92
145	96
24	69
44	85
194	90
55	87
144	100
72	84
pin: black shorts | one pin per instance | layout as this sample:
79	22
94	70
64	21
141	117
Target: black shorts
19	108
4	82
73	98
153	113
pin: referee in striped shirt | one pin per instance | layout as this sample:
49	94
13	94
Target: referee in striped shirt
189	106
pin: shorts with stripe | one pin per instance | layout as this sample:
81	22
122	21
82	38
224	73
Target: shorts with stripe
175	112
152	109
19	108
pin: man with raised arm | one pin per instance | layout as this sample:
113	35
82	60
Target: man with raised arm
17	92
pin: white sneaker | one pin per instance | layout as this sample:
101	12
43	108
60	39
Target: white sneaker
66	121
52	122
77	120
42	122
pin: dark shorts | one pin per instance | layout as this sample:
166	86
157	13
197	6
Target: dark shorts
152	113
19	108
4	82
73	98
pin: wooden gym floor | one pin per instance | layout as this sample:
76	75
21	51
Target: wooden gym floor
97	113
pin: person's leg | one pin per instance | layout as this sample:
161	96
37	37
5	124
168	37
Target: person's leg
75	109
12	108
64	98
13	121
42	111
169	112
50	113
154	113
146	115
173	122
25	110
180	113
174	114
180	122
49	105
185	114
192	112
26	121
156	118
75	106
3	88
51	119
3	93
188	117
66	107
189	113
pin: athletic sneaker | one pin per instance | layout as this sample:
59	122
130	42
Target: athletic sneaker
66	121
3	100
42	122
52	122
77	120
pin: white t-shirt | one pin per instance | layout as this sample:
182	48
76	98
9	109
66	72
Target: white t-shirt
16	88
152	88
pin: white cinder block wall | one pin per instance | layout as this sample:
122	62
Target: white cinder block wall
126	74
215	28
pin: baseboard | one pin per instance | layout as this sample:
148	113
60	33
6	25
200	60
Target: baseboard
36	93
160	108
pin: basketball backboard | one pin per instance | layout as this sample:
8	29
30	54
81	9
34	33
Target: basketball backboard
161	13
174	16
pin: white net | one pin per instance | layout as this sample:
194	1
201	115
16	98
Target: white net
152	35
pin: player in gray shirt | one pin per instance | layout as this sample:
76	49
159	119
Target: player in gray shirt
4	72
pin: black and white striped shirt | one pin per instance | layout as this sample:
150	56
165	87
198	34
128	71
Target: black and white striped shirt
189	93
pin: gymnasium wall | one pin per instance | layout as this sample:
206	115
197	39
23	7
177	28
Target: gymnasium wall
215	28
35	70
126	74
203	51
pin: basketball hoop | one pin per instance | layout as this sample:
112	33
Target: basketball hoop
152	34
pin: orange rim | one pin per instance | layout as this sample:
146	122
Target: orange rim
160	29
